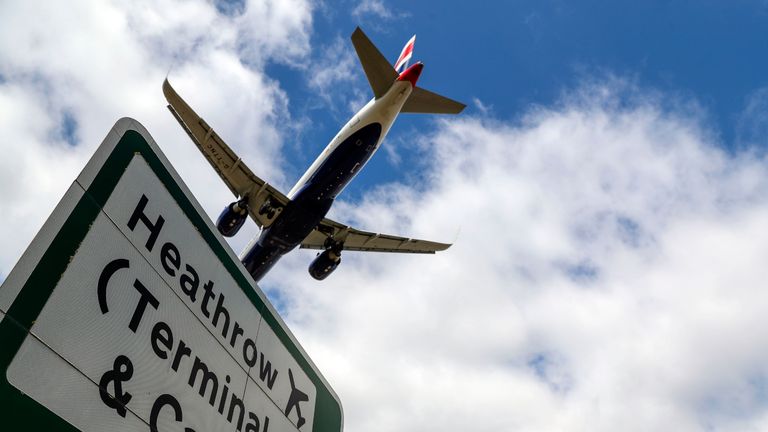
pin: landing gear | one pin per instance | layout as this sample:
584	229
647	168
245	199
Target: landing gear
268	209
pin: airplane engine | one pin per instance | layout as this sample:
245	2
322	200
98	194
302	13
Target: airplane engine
232	218
325	263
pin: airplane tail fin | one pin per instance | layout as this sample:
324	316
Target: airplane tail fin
405	55
377	69
381	75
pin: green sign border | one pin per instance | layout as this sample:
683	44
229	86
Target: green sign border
24	413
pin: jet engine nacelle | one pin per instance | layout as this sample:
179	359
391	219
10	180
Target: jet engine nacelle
325	263
232	218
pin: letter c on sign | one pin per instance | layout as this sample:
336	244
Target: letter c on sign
106	275
160	402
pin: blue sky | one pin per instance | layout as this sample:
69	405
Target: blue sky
606	191
510	56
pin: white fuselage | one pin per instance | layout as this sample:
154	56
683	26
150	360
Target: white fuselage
383	111
314	193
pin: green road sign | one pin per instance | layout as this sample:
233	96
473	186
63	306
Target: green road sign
129	312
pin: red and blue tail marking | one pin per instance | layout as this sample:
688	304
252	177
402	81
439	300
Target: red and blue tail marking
402	62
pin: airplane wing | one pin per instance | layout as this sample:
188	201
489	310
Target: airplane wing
356	240
236	175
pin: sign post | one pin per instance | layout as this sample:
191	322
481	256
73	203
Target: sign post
128	312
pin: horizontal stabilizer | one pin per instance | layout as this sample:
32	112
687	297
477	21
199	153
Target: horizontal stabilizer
424	101
377	69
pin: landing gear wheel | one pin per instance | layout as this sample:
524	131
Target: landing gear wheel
268	209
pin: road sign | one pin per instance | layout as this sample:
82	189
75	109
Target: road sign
129	312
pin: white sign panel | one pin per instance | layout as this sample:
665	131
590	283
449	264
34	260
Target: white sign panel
148	326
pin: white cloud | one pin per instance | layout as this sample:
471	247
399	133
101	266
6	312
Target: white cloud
752	123
336	75
375	13
376	8
485	109
71	70
278	29
610	274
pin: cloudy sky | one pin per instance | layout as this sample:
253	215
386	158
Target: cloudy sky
606	190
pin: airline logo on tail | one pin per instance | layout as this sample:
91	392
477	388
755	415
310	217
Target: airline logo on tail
402	62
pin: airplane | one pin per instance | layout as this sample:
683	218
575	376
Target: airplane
294	399
298	218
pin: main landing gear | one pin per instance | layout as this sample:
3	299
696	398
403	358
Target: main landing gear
269	209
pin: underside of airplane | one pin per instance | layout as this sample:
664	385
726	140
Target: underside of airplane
298	218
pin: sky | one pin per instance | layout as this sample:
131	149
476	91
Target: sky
606	191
